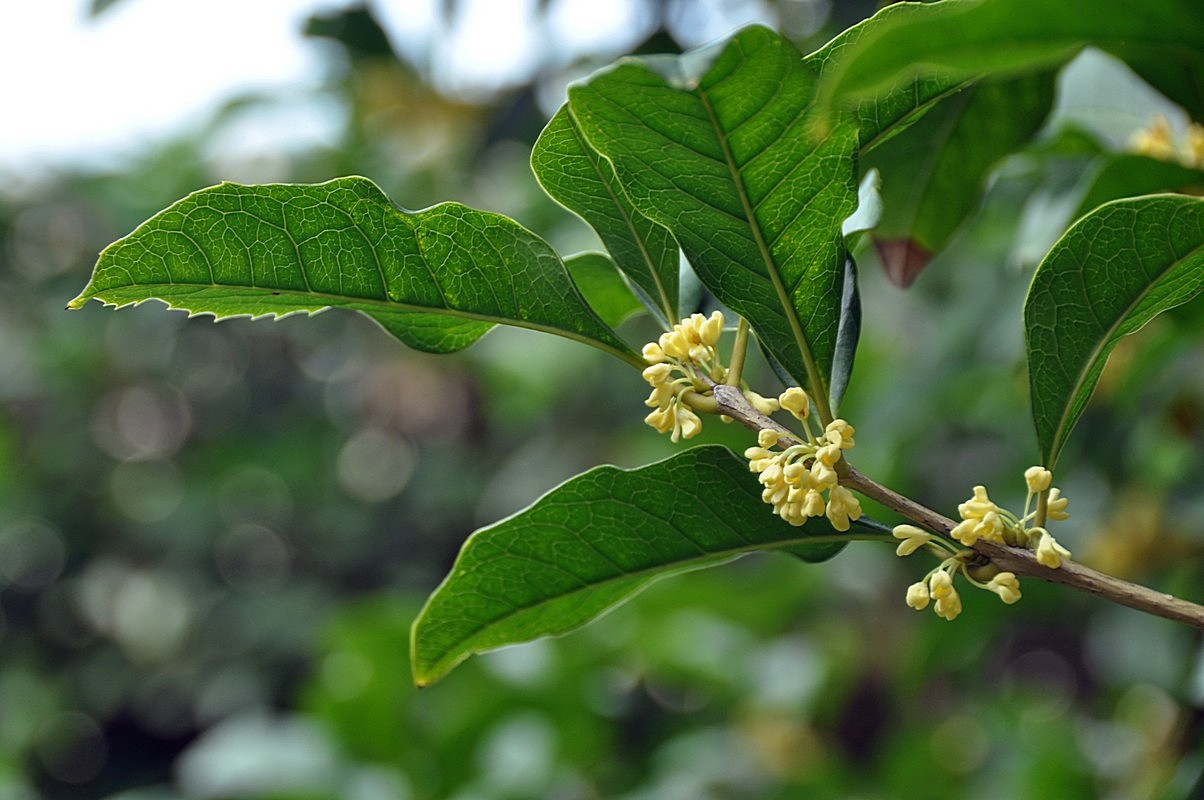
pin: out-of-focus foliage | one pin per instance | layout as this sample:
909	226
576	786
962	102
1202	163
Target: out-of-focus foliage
213	538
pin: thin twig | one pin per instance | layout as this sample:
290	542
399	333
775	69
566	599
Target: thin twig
730	401
1023	562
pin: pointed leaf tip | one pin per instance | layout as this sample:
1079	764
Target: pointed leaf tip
725	159
595	541
438	279
1111	273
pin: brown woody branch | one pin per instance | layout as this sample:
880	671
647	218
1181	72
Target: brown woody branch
730	401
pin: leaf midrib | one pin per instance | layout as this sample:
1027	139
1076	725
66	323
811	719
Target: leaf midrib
1061	431
330	300
819	393
593	157
658	571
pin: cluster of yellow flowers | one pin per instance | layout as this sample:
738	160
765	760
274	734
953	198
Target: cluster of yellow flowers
938	585
795	479
678	361
800	475
1157	140
982	519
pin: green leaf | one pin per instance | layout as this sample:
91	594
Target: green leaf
596	540
847	335
437	279
934	172
720	153
579	179
603	287
909	54
1128	175
1110	274
880	116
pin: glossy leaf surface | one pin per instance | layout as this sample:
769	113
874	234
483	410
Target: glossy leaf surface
1113	271
581	180
716	147
910	54
593	542
437	279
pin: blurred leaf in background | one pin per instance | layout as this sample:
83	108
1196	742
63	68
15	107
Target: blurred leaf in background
214	538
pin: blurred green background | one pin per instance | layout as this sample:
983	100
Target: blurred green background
213	538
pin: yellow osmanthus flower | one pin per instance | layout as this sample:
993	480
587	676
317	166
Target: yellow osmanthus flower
683	360
982	519
1157	140
1006	585
796	478
679	361
1193	146
913	539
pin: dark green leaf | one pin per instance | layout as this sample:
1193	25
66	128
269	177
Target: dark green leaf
603	287
933	173
881	116
1178	75
1113	271
577	177
847	335
720	153
1128	175
595	541
909	54
437	279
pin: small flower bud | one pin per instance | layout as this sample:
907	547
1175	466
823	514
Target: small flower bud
768	437
688	424
796	401
940	585
766	405
978	505
1055	506
813	503
840	433
1007	586
828	455
917	596
966	532
949	606
653	353
710	330
1049	552
658	373
675	344
912	539
1037	479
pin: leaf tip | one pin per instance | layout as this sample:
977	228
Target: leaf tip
903	259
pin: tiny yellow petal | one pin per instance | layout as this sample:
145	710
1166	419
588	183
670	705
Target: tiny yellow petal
917	596
1055	506
796	401
1037	479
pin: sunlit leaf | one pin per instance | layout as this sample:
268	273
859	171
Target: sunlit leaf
716	147
595	541
437	279
1113	271
577	177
